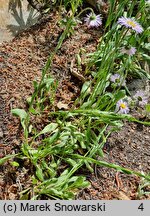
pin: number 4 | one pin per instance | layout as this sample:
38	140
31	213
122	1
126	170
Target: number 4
141	207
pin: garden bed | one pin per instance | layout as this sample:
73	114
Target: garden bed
22	61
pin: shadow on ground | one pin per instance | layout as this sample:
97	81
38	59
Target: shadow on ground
23	21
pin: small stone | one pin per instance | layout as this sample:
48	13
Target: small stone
147	137
1	133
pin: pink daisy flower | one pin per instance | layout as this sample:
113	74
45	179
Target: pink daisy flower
129	52
141	98
122	107
130	23
116	78
93	20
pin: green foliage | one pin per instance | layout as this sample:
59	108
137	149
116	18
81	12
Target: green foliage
143	187
24	118
75	138
6	158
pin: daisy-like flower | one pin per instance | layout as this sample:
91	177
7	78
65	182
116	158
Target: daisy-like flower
141	98
129	52
93	20
116	78
130	23
122	107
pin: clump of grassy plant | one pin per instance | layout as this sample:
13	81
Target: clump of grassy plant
74	138
143	188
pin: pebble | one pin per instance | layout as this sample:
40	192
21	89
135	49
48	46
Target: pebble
1	133
147	137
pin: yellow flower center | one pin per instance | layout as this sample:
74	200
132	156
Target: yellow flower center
122	105
131	23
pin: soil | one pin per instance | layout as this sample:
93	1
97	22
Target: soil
21	62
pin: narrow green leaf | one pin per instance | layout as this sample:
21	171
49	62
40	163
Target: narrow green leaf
14	163
71	162
78	182
148	108
4	159
110	165
23	117
19	112
49	128
119	95
39	173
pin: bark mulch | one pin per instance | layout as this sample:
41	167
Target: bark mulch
21	62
